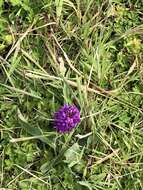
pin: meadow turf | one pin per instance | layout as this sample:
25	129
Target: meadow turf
87	53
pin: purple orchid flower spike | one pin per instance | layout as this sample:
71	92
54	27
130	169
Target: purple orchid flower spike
66	118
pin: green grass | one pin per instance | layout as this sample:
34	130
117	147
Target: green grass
82	52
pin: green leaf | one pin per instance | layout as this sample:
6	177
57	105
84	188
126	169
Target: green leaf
73	155
1	3
59	7
15	2
36	131
85	184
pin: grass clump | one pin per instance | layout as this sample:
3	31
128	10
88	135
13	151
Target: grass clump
86	53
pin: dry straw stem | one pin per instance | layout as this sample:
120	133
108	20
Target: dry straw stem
17	44
99	91
30	29
33	175
105	158
15	140
66	57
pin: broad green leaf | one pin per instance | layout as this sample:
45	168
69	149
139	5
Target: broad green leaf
73	155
